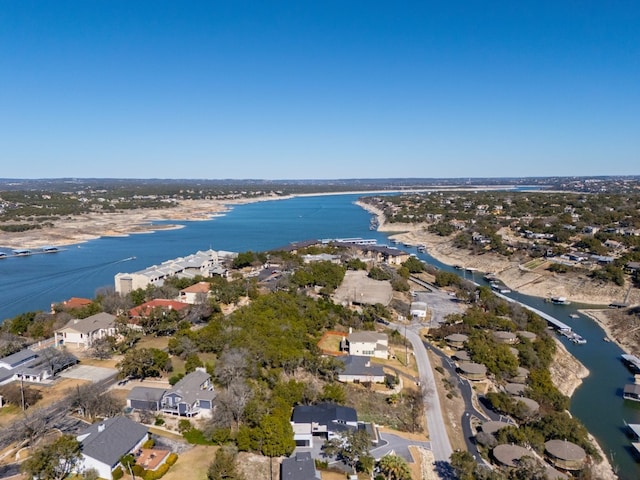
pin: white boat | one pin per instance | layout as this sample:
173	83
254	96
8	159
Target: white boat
559	301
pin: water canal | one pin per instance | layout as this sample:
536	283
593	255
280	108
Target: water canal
34	282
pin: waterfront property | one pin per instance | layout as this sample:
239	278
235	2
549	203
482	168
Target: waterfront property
205	264
565	455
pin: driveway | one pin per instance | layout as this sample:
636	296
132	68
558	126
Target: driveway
89	373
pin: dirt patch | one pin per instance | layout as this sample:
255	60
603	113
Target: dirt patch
566	371
330	343
621	326
358	288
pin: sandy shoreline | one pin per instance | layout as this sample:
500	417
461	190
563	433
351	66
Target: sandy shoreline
90	226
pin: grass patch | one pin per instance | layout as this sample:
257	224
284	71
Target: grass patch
149	341
330	342
196	437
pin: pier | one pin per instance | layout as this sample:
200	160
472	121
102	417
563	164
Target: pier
25	252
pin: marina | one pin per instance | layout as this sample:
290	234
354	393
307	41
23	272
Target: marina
26	252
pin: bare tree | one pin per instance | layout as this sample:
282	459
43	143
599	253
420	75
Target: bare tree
231	402
231	366
93	400
113	302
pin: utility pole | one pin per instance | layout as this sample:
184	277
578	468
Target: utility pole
406	352
22	392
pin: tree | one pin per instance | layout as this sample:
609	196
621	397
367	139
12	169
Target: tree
394	467
93	401
223	466
349	447
192	362
54	461
144	362
16	394
414	265
463	464
277	436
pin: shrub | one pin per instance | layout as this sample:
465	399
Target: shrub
173	379
172	459
196	437
149	443
117	474
156	474
184	426
159	421
138	470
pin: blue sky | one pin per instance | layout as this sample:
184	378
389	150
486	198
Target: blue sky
319	89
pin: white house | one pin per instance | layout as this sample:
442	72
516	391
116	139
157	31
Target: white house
196	293
368	344
83	332
103	444
418	310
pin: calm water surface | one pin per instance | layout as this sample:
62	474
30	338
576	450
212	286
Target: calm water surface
34	282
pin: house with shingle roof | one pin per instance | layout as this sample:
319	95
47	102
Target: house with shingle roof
360	369
192	395
82	332
368	344
104	443
300	466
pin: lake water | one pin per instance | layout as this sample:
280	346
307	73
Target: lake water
34	282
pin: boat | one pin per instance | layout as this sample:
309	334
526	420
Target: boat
573	337
422	248
631	361
574	315
559	301
21	252
499	287
578	339
631	392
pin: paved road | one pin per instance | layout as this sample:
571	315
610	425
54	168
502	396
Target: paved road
440	444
